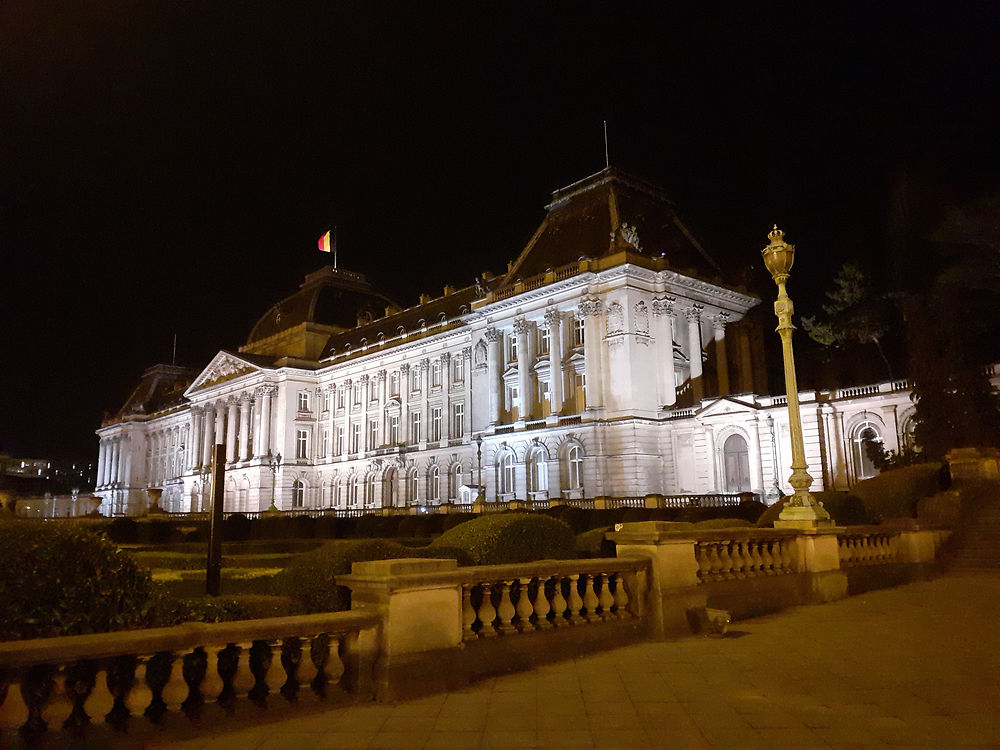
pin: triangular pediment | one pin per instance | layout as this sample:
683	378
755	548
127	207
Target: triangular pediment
725	405
224	366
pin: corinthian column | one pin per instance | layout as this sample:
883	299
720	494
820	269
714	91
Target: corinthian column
693	314
246	410
493	365
553	321
592	309
231	418
663	317
721	363
521	329
208	442
264	433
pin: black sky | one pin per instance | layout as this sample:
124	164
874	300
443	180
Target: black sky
167	166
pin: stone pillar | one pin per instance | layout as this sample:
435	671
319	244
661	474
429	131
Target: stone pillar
494	366
521	330
209	441
693	314
446	426
383	397
592	309
348	399
220	423
231	419
663	316
552	321
101	450
115	459
404	403
425	387
125	475
754	456
264	443
746	360
191	451
365	401
246	409
467	393
119	459
721	362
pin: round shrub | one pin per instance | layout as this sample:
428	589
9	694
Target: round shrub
593	544
236	528
375	527
123	531
511	538
576	518
63	580
895	493
157	532
414	526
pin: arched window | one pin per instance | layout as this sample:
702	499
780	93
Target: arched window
454	481
505	473
537	470
411	487
298	494
370	489
389	488
862	435
434	483
355	483
574	468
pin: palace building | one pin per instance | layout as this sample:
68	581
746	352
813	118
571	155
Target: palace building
611	359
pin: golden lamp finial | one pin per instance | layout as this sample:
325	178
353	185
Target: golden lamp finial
776	235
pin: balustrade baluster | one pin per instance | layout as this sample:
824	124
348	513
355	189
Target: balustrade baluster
227	664
79	682
704	561
605	600
725	561
590	598
766	558
291	657
559	604
506	611
621	597
740	558
524	608
260	662
714	561
194	666
487	613
36	689
319	654
756	561
574	601
158	669
542	606
843	550
120	678
468	613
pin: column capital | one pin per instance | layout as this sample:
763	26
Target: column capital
445	358
694	312
347	382
521	327
719	321
232	399
380	376
404	368
492	335
363	378
664	305
424	364
246	397
197	410
551	318
266	390
590	306
467	352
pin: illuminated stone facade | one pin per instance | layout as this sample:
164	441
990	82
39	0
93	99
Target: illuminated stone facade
610	360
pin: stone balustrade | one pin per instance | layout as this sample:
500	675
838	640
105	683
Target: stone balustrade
72	680
866	547
749	553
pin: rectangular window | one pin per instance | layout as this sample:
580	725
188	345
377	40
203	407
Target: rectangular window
373	389
436	373
394	430
325	448
513	401
303	400
326	400
415	427
302	444
394	384
458	420
435	423
372	434
459	368
355	437
578	334
340	397
543	391
581	391
415	379
340	441
357	394
512	348
544	337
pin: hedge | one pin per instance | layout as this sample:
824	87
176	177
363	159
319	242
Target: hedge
501	538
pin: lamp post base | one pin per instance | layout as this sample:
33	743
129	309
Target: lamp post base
811	516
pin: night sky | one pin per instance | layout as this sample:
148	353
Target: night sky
168	166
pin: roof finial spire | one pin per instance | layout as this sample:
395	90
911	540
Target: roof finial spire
607	161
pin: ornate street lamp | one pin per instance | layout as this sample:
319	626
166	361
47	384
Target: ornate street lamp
802	508
273	462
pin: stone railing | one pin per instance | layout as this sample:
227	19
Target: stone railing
866	547
509	599
174	663
738	553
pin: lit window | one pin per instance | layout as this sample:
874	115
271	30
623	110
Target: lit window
434	483
578	331
507	474
537	471
435	423
298	494
544	340
458	420
574	468
302	444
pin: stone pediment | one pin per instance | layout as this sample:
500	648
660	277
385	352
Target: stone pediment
726	405
223	367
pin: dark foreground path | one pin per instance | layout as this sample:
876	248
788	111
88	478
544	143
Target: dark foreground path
917	666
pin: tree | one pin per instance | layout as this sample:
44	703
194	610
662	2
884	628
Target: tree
856	315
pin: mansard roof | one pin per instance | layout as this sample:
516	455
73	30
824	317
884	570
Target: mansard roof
329	299
160	389
604	214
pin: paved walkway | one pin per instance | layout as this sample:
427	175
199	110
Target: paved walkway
916	666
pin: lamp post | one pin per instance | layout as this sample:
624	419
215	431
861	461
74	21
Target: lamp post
480	492
802	508
775	492
273	462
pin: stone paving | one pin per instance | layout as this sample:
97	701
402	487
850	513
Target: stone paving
916	666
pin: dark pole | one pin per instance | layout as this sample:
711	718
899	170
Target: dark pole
213	573
480	491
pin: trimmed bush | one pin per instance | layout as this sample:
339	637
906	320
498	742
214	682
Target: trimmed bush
377	527
511	538
452	520
123	531
63	580
895	493
577	518
236	528
593	544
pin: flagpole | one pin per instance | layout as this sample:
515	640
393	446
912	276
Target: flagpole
607	161
334	248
